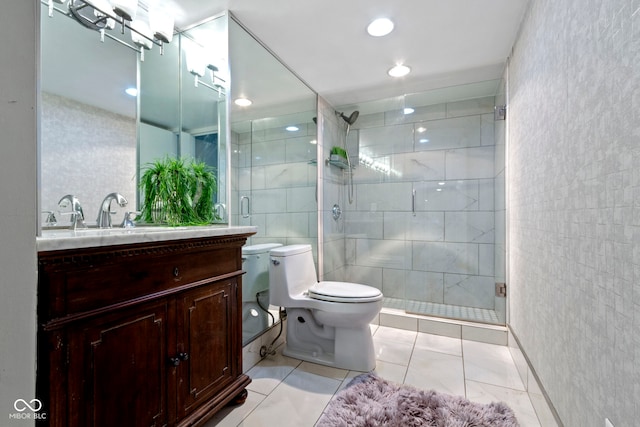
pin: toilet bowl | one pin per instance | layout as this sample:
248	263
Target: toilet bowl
255	288
328	322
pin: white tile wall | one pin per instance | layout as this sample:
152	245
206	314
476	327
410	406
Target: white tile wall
438	248
470	163
273	168
445	257
456	132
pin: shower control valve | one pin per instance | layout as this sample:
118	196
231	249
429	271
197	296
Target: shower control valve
336	212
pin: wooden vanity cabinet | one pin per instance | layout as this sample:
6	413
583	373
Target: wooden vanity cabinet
140	334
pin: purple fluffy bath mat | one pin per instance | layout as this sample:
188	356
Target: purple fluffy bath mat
370	401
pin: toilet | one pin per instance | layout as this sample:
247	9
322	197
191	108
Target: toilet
255	288
328	322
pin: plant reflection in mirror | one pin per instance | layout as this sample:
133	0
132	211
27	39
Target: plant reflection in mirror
178	192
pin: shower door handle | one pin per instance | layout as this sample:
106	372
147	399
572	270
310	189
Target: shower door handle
413	202
242	211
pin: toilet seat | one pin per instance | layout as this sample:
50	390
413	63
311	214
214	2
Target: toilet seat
344	292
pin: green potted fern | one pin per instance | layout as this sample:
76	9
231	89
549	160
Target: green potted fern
338	153
176	192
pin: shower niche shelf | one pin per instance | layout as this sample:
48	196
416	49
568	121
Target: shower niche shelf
342	164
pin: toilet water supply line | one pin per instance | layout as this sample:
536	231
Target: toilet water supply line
264	350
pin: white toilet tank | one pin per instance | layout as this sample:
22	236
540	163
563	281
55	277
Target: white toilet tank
291	273
255	261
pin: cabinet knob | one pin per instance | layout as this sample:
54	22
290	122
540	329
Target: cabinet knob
176	272
175	361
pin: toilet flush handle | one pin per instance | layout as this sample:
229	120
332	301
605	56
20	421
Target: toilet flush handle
275	261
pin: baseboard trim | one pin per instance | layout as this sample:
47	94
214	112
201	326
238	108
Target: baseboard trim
533	390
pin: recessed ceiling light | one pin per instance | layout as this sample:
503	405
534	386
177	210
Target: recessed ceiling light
422	129
423	141
131	91
380	27
292	128
243	102
399	71
408	110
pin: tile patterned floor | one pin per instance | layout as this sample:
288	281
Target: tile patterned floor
287	392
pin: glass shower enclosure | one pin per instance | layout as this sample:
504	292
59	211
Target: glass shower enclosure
426	220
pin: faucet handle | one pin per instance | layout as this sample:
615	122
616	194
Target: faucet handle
127	222
51	218
77	219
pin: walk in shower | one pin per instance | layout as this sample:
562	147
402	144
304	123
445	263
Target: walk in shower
417	207
426	221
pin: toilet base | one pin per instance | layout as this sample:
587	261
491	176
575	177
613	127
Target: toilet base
343	348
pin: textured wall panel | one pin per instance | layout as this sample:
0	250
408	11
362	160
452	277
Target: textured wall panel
574	205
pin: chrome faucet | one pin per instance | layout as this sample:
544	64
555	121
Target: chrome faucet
104	214
77	215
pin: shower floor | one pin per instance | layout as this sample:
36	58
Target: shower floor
443	310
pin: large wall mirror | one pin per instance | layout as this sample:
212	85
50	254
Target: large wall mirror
183	108
96	139
273	166
88	121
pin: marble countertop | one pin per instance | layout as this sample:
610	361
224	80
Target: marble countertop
61	239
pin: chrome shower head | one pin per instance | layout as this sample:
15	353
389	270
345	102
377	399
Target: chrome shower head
351	119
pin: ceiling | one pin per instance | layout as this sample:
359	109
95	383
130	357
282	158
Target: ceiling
445	42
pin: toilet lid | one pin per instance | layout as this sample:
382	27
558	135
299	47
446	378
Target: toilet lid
344	292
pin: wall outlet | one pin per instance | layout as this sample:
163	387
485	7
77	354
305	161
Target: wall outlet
607	423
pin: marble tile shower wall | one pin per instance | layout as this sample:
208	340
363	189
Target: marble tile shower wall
442	248
333	180
274	170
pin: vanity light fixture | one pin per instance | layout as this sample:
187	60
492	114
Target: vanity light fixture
198	62
142	35
127	9
101	15
399	70
161	22
380	27
243	102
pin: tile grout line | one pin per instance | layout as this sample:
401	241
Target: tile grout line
464	371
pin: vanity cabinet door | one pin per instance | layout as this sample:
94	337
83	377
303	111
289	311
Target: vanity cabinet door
119	373
206	321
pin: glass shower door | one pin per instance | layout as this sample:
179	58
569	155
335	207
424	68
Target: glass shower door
427	226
